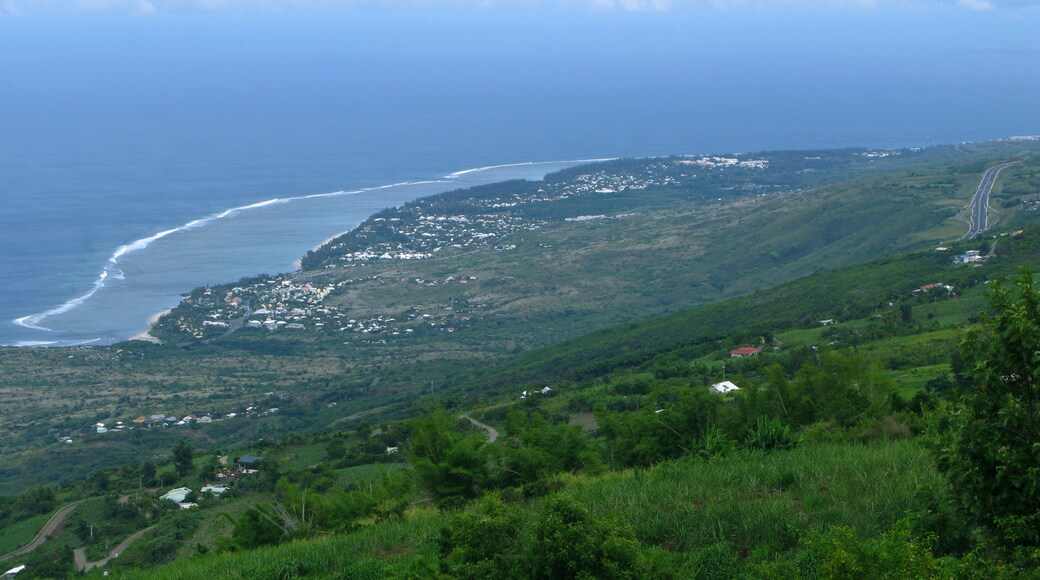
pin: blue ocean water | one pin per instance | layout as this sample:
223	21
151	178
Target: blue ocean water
115	130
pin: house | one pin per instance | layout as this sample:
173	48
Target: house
391	450
723	387
13	571
250	462
744	351
141	419
214	489
204	419
971	257
177	495
827	322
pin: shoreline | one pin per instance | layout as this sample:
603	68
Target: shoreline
298	262
152	321
143	243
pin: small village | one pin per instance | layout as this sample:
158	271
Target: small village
109	427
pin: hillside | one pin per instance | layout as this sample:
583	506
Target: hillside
817	465
665	243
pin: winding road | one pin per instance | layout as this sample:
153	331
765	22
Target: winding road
491	431
980	202
52	524
80	554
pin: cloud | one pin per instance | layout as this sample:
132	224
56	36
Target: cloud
976	4
29	7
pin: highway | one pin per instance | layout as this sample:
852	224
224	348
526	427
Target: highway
979	203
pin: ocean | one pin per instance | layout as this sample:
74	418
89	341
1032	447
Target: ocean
140	158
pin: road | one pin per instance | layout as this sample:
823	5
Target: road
980	202
491	431
52	524
80	554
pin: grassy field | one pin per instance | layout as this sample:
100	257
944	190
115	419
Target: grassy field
19	534
760	507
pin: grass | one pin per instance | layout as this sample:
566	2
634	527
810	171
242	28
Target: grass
21	533
909	381
215	525
802	337
361	474
362	554
299	456
769	501
757	503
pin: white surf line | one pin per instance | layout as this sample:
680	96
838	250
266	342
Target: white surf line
33	321
111	266
458	174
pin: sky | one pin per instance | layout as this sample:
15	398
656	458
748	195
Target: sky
154	7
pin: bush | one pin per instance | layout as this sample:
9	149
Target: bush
483	541
568	542
770	434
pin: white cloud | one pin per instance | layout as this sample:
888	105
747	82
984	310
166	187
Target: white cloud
976	4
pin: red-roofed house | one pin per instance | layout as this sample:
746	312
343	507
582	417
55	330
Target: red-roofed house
744	351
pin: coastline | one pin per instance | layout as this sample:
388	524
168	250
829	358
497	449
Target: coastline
152	321
298	262
401	193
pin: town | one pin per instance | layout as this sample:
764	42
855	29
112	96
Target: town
427	229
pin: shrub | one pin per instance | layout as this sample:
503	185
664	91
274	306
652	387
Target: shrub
568	542
770	434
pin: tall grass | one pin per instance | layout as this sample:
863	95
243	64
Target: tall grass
706	513
21	533
362	554
768	501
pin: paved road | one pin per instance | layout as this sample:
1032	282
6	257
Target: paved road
80	554
979	203
52	524
491	431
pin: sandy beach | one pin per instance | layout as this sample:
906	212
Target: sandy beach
152	321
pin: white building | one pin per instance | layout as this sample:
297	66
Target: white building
723	387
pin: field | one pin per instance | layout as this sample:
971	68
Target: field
757	509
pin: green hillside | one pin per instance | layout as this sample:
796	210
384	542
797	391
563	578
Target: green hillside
817	466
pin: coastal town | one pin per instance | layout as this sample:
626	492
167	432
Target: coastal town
433	228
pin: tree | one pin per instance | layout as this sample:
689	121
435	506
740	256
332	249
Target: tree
147	472
990	448
182	457
449	464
